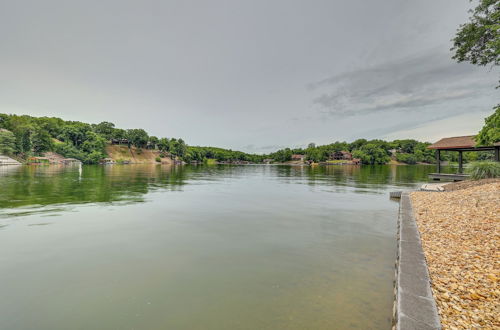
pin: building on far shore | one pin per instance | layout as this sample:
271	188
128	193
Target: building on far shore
297	157
341	155
120	141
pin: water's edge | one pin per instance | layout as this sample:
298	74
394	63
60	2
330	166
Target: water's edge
414	304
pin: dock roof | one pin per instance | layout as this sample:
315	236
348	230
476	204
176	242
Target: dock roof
458	142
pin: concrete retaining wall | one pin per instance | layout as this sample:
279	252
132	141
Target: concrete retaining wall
414	306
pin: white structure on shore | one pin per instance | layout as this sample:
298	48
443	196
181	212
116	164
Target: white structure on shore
4	160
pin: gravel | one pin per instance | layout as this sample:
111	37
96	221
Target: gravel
460	236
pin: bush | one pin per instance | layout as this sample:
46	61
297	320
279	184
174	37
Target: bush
406	158
7	142
158	159
484	170
94	157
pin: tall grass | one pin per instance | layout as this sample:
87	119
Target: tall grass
484	170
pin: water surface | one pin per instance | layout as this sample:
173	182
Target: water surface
199	247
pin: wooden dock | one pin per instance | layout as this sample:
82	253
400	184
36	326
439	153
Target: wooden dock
448	176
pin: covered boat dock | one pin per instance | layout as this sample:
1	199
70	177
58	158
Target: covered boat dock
458	144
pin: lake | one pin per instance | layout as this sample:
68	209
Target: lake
199	247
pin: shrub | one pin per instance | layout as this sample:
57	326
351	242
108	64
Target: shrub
406	158
94	157
158	159
484	170
7	142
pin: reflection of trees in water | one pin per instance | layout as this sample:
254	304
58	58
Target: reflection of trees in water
355	176
44	185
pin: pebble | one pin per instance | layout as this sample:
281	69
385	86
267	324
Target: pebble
460	233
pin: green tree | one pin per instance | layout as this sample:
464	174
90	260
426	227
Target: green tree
372	153
153	141
138	137
180	148
75	133
119	133
42	141
357	144
94	157
106	129
23	138
490	133
164	144
67	149
93	142
7	142
478	41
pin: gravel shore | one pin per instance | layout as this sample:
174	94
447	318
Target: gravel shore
460	236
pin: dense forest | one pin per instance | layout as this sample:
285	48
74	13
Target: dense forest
22	136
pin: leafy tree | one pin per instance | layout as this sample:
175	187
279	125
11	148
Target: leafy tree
478	41
52	125
7	142
372	153
42	141
490	133
164	144
4	118
94	157
106	129
69	150
75	133
23	138
94	142
153	140
357	144
119	133
406	158
283	155
138	137
179	148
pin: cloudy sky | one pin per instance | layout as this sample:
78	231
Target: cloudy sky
251	75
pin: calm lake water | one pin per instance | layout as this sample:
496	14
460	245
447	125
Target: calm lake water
199	247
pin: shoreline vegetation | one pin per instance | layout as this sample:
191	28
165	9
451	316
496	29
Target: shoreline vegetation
51	140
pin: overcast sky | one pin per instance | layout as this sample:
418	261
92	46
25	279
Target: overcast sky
249	75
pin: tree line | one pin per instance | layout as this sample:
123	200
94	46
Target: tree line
24	136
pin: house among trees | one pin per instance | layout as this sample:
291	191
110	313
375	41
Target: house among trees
120	141
341	155
107	161
298	157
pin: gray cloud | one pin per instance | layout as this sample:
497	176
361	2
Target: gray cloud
410	83
232	73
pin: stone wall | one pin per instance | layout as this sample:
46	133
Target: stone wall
414	305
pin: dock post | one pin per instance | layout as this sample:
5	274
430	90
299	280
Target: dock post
460	162
438	160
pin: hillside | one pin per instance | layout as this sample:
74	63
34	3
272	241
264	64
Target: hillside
135	155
